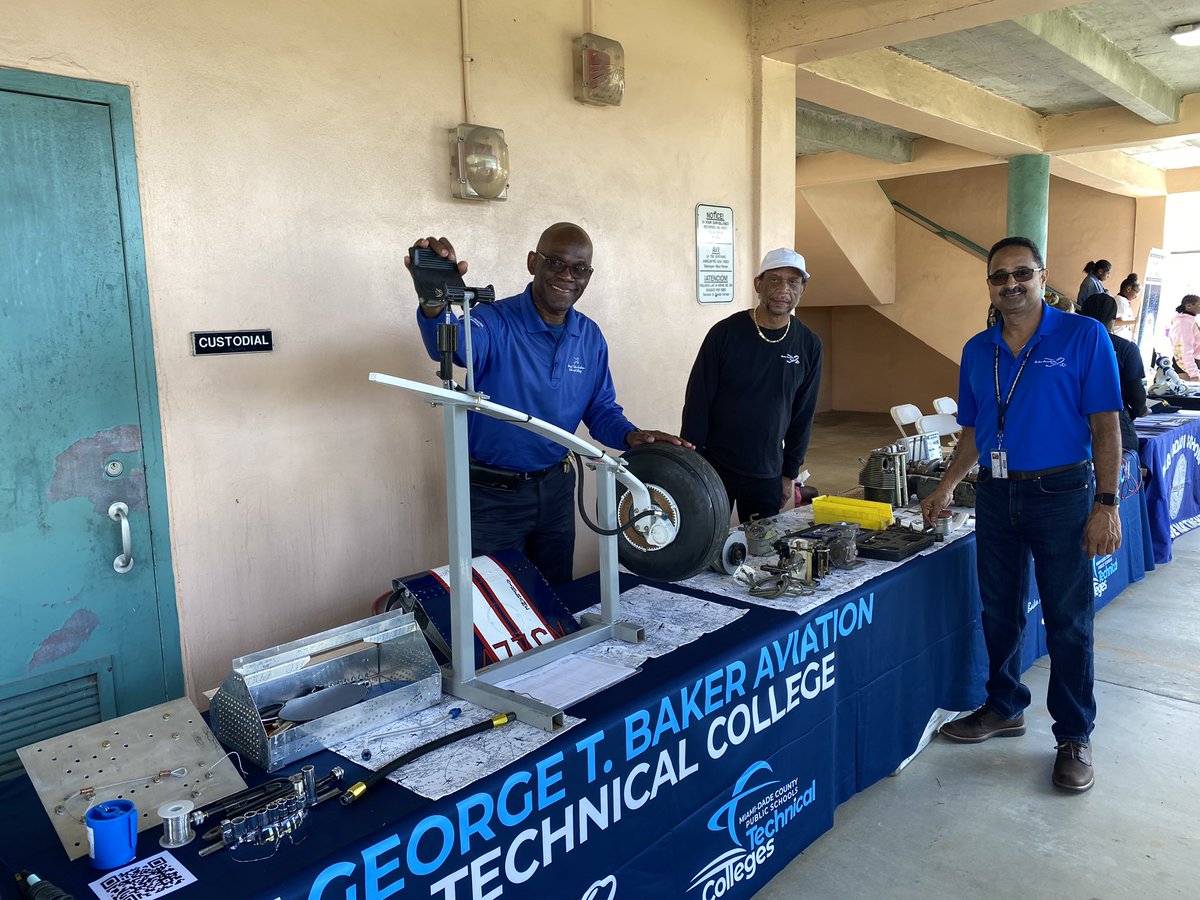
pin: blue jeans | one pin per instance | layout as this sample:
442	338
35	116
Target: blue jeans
1044	516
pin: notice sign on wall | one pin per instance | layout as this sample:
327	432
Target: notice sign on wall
210	343
714	253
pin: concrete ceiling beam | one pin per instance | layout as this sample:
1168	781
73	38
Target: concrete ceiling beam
1183	181
1114	127
818	131
1111	171
1060	39
929	156
800	31
886	87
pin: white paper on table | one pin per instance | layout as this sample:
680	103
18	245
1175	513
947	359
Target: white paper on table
568	680
153	876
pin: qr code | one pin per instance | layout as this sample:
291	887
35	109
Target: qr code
152	878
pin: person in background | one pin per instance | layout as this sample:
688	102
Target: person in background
1127	296
1094	275
1185	338
1130	370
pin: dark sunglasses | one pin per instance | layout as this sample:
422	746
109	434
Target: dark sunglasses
1020	276
556	265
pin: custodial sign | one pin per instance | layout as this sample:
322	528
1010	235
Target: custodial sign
553	826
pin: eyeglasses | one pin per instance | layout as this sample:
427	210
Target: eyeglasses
556	265
1020	276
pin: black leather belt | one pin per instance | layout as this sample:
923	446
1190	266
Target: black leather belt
1031	475
495	476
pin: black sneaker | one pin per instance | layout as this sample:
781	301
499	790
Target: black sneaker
983	724
1073	767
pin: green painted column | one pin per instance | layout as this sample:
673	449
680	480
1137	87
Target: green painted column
1029	197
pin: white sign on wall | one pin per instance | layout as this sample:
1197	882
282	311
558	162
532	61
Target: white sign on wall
714	253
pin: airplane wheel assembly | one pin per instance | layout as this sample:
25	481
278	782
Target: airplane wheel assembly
689	492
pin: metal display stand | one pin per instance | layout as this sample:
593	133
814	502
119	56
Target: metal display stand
460	678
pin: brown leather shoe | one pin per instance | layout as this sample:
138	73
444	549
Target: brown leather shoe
983	724
1073	767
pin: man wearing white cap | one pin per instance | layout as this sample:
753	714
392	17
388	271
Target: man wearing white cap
753	391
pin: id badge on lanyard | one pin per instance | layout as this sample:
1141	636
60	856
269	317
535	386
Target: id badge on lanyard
1000	455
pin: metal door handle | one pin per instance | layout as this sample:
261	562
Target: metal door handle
119	512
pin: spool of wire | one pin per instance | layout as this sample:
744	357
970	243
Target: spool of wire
176	831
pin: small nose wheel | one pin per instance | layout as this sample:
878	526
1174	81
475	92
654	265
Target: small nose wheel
689	493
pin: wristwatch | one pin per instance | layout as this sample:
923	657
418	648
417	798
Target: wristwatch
1106	499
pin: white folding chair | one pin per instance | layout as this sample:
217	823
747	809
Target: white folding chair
905	414
945	405
945	425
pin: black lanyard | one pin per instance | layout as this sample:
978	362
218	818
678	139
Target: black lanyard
1002	405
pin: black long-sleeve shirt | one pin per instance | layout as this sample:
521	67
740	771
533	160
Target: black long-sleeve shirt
749	404
1131	371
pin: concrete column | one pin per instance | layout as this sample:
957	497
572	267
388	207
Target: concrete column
1029	197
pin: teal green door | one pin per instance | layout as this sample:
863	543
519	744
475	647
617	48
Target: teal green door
78	419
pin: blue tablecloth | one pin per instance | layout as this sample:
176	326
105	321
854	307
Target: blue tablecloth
1170	451
702	776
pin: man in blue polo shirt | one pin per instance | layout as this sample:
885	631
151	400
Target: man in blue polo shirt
1038	399
536	353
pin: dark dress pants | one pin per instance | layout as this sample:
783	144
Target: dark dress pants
752	497
536	517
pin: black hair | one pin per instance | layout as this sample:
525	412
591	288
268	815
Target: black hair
1184	302
1098	265
1101	307
1016	241
1130	280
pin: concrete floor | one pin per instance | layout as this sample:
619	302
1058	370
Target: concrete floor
984	820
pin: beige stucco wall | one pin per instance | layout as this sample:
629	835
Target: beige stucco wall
1084	223
879	365
288	153
940	296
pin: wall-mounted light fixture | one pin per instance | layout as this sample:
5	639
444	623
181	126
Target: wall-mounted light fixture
478	163
1186	35
599	70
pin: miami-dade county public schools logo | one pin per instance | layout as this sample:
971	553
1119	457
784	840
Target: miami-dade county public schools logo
1179	484
1103	568
752	817
1177	465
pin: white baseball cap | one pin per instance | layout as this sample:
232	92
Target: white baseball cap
782	258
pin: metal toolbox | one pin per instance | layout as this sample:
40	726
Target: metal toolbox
386	652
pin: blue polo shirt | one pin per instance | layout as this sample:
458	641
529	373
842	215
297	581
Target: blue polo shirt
520	362
1071	373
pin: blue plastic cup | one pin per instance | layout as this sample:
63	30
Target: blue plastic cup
112	833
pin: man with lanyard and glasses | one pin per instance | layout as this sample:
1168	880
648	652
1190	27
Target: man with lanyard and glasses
536	353
1038	400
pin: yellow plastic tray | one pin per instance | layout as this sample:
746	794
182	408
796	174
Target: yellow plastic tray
867	513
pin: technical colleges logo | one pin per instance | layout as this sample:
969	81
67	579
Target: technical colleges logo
1060	362
752	817
576	366
1103	568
